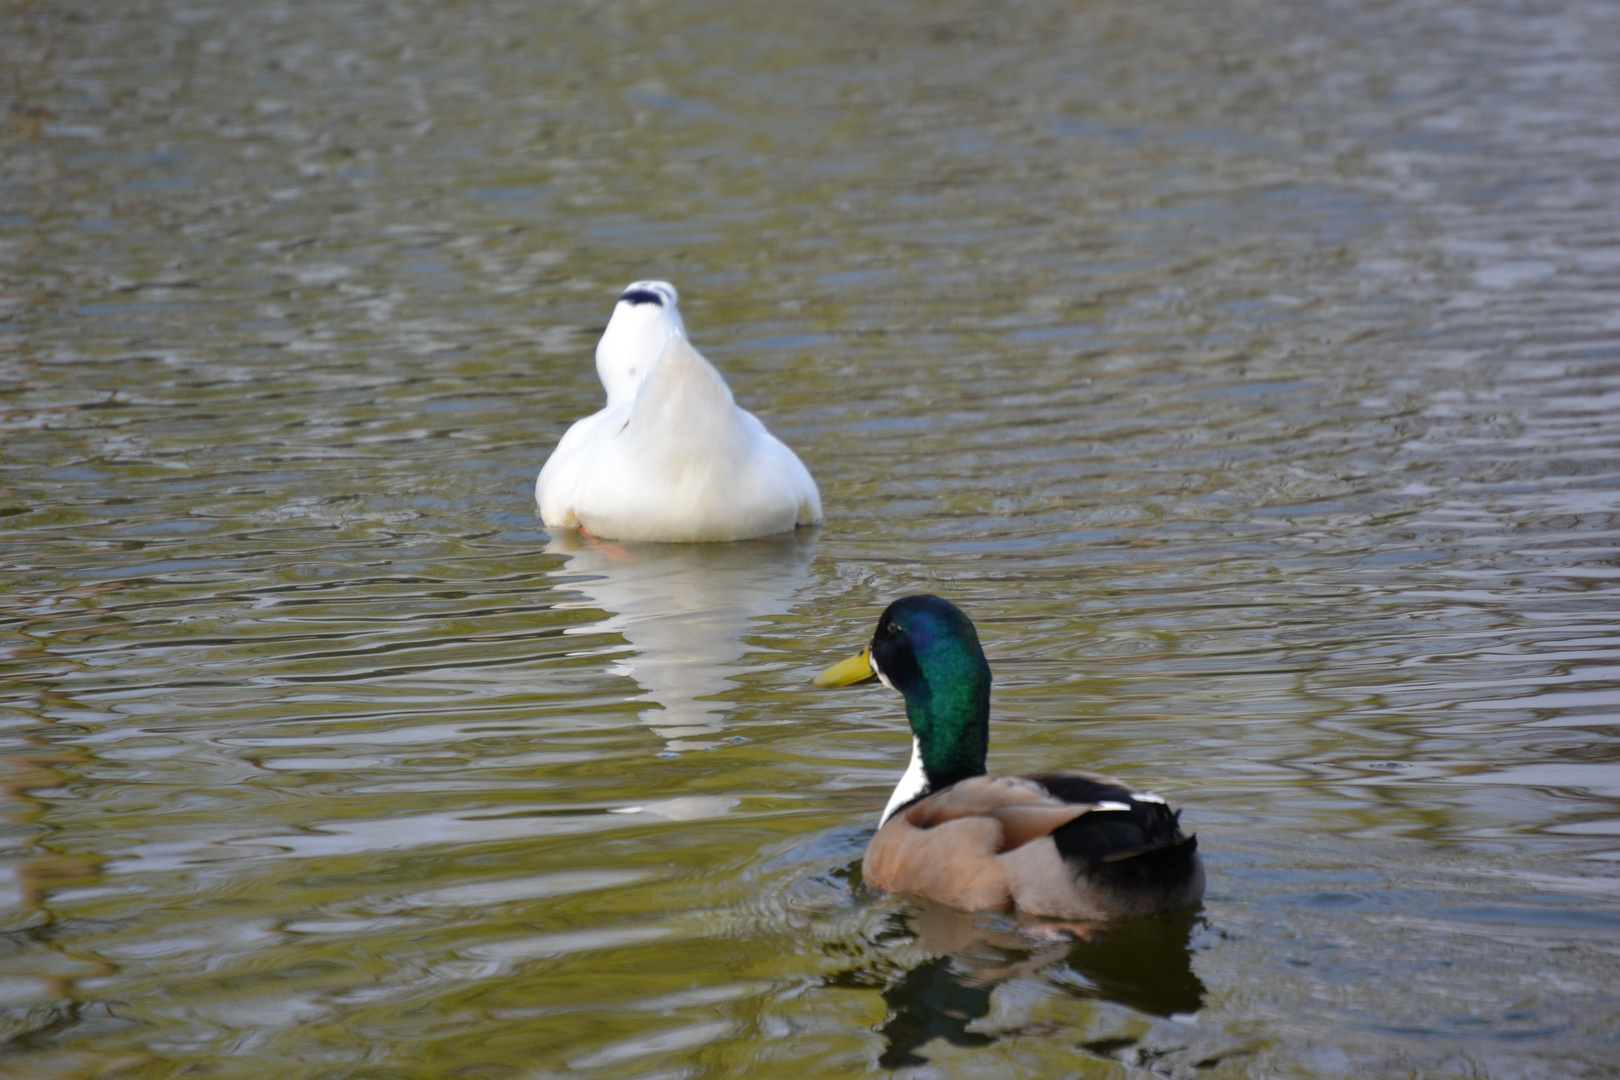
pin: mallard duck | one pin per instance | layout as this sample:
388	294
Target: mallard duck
670	457
1071	844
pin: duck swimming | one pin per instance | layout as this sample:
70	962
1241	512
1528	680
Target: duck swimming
1070	844
670	457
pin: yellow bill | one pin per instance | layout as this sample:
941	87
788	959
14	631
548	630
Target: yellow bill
855	669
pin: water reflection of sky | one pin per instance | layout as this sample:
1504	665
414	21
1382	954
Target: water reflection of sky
1250	380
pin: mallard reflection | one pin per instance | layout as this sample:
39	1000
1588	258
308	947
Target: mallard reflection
684	609
1144	964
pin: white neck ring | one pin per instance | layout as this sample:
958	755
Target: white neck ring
912	784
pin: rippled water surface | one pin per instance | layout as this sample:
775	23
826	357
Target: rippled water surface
1248	370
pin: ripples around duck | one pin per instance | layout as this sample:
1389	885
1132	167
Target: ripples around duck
1247	372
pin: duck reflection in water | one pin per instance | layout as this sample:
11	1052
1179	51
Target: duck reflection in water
1144	964
684	609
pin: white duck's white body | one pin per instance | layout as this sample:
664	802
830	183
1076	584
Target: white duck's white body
670	457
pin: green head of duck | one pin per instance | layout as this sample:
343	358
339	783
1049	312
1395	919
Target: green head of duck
925	648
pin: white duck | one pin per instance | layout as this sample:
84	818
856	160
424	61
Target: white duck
670	457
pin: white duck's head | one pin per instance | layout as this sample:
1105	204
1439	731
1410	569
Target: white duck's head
644	320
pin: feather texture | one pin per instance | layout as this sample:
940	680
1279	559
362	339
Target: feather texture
671	457
1072	844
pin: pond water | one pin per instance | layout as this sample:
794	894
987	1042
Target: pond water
1248	371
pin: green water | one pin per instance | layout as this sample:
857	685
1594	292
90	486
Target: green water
1247	371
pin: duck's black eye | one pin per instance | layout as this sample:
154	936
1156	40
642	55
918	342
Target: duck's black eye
642	296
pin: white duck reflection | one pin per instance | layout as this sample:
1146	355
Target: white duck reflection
684	610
